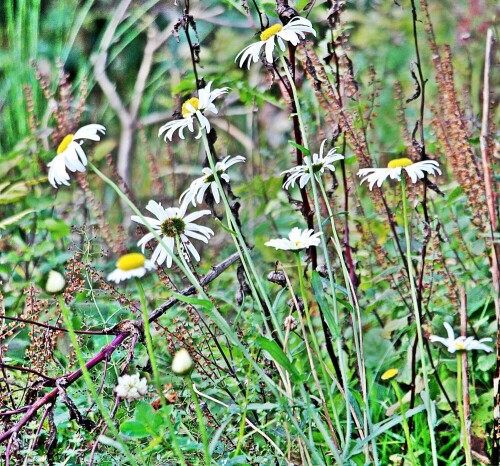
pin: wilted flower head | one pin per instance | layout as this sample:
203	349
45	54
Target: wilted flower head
182	364
290	32
297	240
55	282
416	171
196	192
130	265
460	343
131	387
70	154
319	163
169	224
194	107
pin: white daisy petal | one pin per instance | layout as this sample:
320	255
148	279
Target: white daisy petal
297	240
291	32
415	171
171	223
70	154
460	343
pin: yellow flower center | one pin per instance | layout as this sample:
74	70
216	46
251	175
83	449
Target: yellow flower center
389	374
65	143
404	162
270	32
131	261
192	102
460	346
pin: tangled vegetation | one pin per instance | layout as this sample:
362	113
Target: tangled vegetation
249	232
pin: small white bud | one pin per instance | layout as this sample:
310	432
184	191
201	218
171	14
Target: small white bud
182	364
55	282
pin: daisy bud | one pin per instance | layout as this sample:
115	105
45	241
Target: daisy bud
55	282
182	364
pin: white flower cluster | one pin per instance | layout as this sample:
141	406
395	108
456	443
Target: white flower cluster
131	387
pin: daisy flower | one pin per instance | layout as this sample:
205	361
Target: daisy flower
131	387
319	163
416	171
195	106
290	32
196	191
130	265
169	224
297	239
70	154
460	343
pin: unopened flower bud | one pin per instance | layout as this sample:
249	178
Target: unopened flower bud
182	364
55	282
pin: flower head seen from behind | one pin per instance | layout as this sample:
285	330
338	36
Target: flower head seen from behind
191	108
416	171
131	387
196	191
297	240
169	224
70	154
130	265
319	162
290	32
460	343
182	364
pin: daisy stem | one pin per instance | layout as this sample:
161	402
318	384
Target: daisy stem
463	431
357	331
416	312
88	380
149	340
296	100
406	428
241	245
156	375
214	314
317	349
201	420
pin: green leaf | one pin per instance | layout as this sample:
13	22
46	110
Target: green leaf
277	354
15	218
205	303
318	292
134	429
301	148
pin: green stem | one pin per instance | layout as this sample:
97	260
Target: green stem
88	380
463	430
316	346
416	312
241	246
406	428
156	374
201	420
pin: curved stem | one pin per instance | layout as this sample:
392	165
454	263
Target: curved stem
201	421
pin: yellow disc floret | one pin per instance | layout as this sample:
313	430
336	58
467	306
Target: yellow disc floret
192	102
389	374
65	143
459	345
270	32
404	162
131	261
